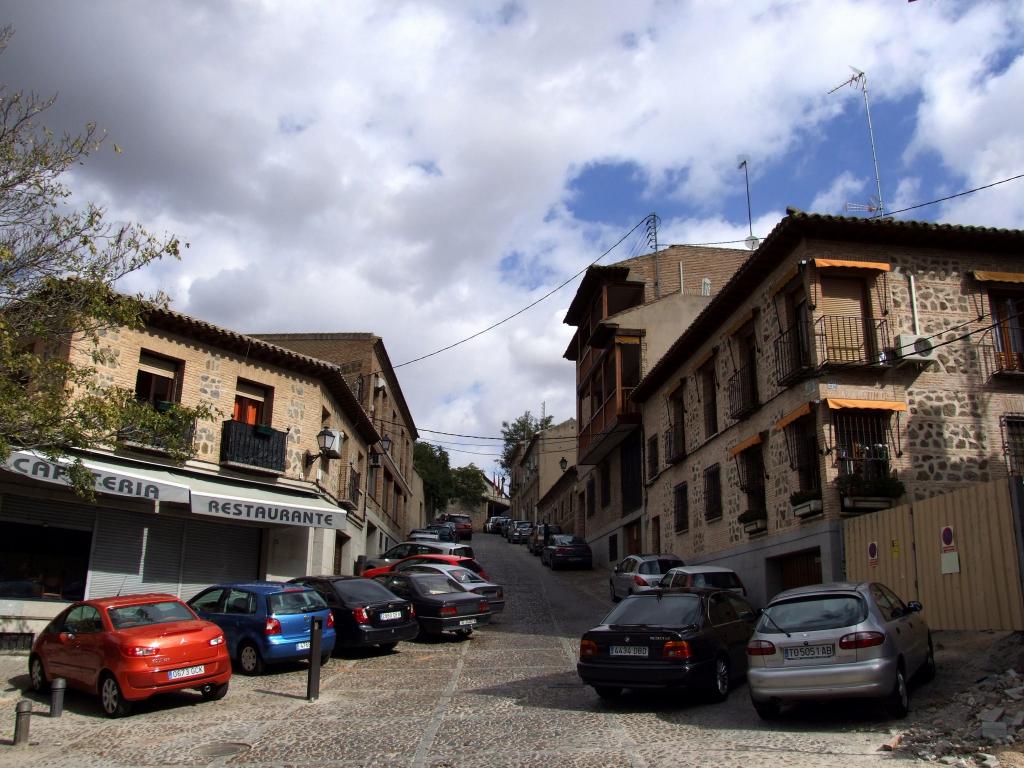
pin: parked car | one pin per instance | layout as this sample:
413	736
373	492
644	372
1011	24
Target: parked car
444	531
507	523
540	536
266	622
688	639
129	648
464	562
463	524
565	549
410	548
365	613
840	640
520	533
493	524
688	576
638	573
467	579
441	604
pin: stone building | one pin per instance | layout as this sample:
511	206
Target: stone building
626	315
260	499
558	505
848	365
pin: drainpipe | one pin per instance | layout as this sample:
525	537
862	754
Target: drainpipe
913	303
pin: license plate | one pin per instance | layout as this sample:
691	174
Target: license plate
467	622
175	674
627	650
810	652
302	646
390	616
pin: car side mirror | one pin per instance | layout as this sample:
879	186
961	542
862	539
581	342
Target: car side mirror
915	606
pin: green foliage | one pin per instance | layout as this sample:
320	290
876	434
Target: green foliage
517	431
468	485
887	486
58	268
799	497
443	484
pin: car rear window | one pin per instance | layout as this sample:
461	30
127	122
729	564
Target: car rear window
436	585
720	580
460	519
661	565
149	613
463	551
812	613
564	540
464	576
295	601
666	610
362	589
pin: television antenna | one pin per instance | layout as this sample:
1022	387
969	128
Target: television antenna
751	242
860	80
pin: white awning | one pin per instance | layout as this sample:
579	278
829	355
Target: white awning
110	478
263	505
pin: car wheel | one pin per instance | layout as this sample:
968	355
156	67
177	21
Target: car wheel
898	702
214	692
249	660
37	675
720	685
611	588
928	669
387	647
608	692
767	710
111	698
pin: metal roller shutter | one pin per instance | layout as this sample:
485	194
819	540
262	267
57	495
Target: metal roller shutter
216	553
24	509
842	304
135	553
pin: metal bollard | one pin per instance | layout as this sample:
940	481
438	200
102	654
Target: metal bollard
57	688
313	681
22	718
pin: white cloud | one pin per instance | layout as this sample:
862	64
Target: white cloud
846	188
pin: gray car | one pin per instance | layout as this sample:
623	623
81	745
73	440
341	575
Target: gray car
639	573
834	641
410	548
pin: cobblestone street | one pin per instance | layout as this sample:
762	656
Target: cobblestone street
509	696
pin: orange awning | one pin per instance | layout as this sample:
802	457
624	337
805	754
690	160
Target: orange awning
999	277
827	263
792	416
835	403
741	447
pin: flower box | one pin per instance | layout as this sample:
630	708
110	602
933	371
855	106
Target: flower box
807	508
867	503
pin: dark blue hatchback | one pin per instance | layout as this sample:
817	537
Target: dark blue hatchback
266	621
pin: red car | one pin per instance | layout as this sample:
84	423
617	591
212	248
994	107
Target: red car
130	647
465	562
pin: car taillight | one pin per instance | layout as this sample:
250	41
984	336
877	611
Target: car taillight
588	648
412	611
272	627
861	640
485	606
677	649
760	648
449	610
330	618
640	582
562	550
361	616
139	650
218	640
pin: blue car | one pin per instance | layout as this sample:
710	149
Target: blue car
266	621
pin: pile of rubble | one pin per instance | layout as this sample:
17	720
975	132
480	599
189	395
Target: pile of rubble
974	723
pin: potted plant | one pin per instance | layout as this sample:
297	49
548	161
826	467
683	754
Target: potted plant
805	502
754	520
861	493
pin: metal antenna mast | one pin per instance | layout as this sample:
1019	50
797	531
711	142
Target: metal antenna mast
751	242
860	79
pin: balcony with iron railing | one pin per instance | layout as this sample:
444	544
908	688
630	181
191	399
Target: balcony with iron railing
743	398
154	441
252	447
997	361
866	480
830	342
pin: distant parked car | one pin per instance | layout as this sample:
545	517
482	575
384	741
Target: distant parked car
834	641
540	536
493	524
130	647
444	531
467	579
365	613
505	525
441	604
566	550
464	562
687	639
520	533
703	576
410	548
463	524
266	622
638	573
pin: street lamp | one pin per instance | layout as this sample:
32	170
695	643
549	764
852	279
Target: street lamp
327	441
385	444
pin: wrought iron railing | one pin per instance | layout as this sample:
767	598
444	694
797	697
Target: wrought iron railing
831	341
995	361
252	446
743	391
793	353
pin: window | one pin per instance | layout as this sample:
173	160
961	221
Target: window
208	602
1008	312
157	380
713	492
353	481
631	472
606	483
681	507
709	395
613	547
751	476
1013	442
677	429
240	602
252	403
653	463
862	442
802	441
590	496
84	619
743	394
39	563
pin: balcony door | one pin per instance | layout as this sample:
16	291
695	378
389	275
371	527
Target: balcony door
1008	312
841	334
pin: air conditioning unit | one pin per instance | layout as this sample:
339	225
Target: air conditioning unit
379	383
375	459
912	348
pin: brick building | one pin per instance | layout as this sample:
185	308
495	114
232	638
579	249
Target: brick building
849	364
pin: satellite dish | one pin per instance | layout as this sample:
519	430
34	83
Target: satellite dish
751	243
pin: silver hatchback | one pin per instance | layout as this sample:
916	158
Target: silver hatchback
833	641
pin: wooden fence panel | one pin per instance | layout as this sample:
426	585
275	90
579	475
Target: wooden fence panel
892	532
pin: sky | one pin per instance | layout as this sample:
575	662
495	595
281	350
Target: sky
423	170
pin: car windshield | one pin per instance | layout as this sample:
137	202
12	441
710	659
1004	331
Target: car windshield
665	610
812	613
661	565
362	589
149	613
436	585
295	601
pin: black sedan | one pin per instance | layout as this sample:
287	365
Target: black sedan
441	604
693	639
568	551
365	613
